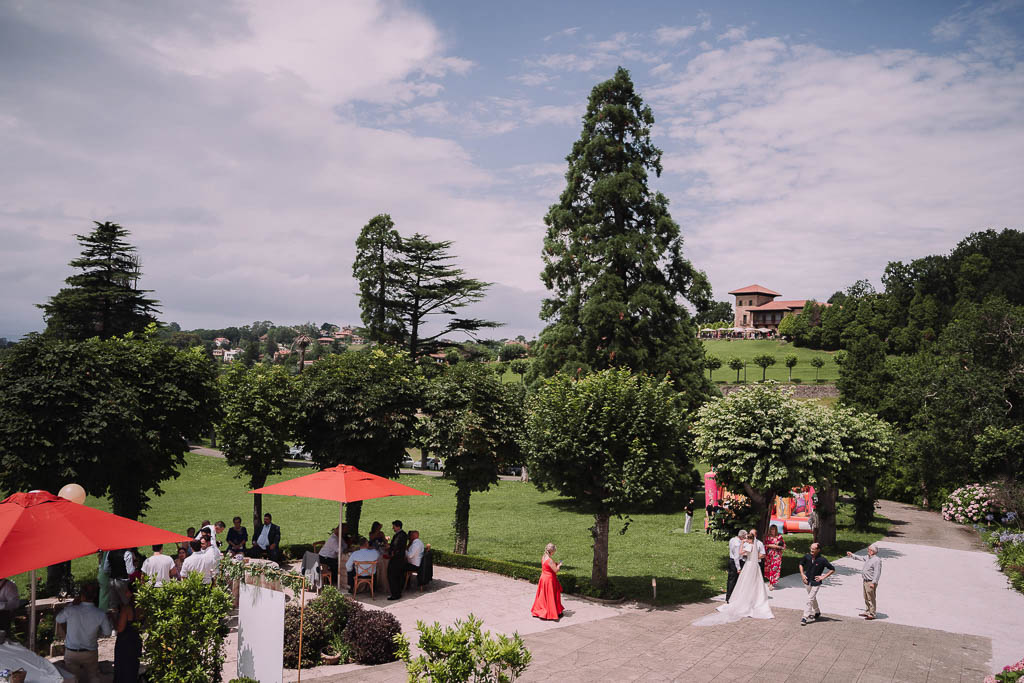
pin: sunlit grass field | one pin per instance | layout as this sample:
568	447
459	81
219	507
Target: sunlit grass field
513	521
746	349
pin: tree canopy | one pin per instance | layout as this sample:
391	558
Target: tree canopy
475	427
111	415
612	441
613	256
103	299
259	407
359	408
376	269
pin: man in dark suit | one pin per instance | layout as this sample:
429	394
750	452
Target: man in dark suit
396	565
267	540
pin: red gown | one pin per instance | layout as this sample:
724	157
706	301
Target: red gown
548	603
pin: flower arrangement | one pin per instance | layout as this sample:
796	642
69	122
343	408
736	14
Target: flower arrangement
1013	672
970	504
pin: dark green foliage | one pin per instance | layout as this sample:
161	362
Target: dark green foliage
612	441
323	622
101	301
736	364
110	414
475	427
511	352
404	283
184	630
717	311
862	375
513	570
359	408
464	652
764	361
259	407
712	363
613	258
371	636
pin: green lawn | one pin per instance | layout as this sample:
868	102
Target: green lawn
746	349
513	521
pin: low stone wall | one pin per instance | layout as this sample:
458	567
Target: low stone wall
799	390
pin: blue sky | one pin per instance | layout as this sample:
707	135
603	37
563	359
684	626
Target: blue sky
806	144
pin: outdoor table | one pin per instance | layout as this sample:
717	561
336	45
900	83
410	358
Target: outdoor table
260	581
382	574
14	656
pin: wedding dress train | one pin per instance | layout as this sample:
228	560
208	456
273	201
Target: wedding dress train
749	599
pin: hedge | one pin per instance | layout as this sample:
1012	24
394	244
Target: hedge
513	570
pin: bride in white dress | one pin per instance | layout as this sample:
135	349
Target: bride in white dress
749	598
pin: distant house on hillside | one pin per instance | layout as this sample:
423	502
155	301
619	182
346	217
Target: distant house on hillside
758	311
222	341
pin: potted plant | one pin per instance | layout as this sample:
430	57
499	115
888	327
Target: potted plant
336	651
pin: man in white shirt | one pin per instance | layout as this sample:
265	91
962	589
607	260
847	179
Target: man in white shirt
84	623
734	562
414	555
195	563
364	554
329	553
158	566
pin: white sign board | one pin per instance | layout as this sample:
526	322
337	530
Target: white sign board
260	633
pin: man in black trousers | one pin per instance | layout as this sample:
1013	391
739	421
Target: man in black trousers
396	565
735	543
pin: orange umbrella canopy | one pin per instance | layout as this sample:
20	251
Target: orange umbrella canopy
343	483
38	529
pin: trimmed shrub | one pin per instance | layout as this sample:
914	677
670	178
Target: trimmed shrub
371	636
325	618
335	607
464	653
512	570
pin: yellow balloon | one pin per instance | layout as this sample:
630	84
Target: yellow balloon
73	492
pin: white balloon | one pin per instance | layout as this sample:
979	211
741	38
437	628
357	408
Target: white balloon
73	492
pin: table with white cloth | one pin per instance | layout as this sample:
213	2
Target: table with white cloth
14	656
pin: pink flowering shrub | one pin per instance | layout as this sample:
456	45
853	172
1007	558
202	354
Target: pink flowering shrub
1009	674
971	504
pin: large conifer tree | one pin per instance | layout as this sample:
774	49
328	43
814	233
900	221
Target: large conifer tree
103	300
613	256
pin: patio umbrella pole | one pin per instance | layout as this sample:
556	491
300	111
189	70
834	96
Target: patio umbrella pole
341	521
32	612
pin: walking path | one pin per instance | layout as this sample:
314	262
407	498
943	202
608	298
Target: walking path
945	614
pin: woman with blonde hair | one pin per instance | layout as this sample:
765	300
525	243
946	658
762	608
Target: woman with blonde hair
548	603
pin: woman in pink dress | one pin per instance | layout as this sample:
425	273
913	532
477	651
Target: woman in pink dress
774	545
548	603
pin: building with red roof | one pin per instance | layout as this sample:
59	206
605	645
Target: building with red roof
757	308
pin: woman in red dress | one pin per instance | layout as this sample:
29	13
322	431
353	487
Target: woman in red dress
774	545
548	603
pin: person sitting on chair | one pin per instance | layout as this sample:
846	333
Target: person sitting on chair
414	555
364	554
329	553
238	536
267	540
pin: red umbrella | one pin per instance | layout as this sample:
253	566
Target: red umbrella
38	529
343	483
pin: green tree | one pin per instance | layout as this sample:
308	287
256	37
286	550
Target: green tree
259	407
839	357
463	653
611	441
520	367
791	361
712	363
476	424
251	355
111	415
103	300
760	441
717	312
613	258
359	408
788	326
764	361
863	373
736	364
376	269
817	363
511	352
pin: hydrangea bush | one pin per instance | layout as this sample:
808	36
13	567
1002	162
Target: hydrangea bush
970	504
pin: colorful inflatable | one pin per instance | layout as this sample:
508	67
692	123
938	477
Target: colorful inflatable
789	515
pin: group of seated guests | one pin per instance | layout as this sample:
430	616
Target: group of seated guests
404	552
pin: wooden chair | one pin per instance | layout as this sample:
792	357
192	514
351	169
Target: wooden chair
370	569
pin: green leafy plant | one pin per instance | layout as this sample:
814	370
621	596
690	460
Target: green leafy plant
464	652
184	630
371	636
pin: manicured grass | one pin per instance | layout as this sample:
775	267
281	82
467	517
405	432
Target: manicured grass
513	521
746	349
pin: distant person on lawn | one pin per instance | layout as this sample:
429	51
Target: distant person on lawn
688	509
812	571
871	573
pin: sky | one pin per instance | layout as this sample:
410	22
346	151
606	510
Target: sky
245	144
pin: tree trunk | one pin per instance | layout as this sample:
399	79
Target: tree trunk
213	437
762	502
423	458
599	570
826	508
462	494
257	510
353	511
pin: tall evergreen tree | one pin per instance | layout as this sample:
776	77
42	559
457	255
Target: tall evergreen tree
377	254
613	256
103	300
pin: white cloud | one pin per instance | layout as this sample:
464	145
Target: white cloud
532	78
734	33
673	34
564	33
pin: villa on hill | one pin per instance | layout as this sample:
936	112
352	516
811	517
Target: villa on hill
758	313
